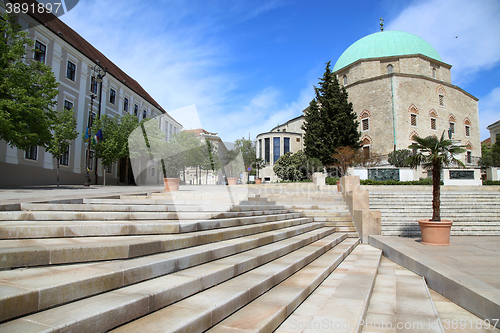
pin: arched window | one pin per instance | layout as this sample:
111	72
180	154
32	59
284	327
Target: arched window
433	115
365	120
441	95
467	126
366	146
390	69
468	156
413	115
345	80
451	122
433	73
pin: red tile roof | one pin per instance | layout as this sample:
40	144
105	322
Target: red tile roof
487	141
198	131
67	34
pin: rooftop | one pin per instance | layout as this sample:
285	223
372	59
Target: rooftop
386	44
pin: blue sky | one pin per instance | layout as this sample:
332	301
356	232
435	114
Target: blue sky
250	65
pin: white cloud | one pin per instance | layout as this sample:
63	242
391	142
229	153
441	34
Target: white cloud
489	107
178	58
465	33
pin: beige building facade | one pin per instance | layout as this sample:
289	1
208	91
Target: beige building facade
401	88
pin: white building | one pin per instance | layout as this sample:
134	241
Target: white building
73	60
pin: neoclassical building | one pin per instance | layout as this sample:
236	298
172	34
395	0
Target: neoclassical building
400	88
73	60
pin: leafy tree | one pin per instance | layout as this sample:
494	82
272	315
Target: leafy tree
128	123
296	166
330	121
490	155
191	154
27	90
64	132
211	159
110	148
346	157
233	163
285	169
432	154
399	158
248	151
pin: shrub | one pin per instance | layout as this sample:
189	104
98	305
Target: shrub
491	182
296	166
331	180
422	181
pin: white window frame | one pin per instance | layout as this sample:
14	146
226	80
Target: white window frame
67	67
34	52
416	119
362	124
435	123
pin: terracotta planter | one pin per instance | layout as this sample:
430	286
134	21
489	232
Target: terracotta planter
435	232
171	184
258	180
231	180
338	185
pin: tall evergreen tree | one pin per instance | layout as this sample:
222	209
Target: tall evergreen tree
330	121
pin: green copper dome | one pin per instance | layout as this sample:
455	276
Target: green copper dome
385	44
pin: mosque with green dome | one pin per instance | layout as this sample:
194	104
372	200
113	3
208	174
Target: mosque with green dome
400	88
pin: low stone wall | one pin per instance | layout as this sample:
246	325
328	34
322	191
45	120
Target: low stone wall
367	222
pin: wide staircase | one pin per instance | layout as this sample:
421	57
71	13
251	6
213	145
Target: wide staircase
325	204
473	213
218	261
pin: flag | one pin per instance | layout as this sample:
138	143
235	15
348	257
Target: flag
98	137
86	138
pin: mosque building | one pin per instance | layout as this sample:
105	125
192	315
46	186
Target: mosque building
400	88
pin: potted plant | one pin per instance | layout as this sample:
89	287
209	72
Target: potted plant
233	165
173	163
259	164
433	154
171	170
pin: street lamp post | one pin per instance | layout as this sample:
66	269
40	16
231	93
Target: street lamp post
100	73
89	132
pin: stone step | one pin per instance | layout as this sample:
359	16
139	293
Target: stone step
400	297
343	215
75	228
429	193
404	207
37	289
339	304
345	218
332	211
202	311
414	216
110	216
63	251
105	311
143	208
180	201
337	223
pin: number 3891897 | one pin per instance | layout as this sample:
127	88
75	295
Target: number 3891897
17	8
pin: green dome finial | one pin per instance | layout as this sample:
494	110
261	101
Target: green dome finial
381	24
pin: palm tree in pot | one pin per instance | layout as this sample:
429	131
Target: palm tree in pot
433	154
